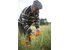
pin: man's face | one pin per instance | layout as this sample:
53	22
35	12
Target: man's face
34	8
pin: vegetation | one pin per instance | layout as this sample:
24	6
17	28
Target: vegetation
42	42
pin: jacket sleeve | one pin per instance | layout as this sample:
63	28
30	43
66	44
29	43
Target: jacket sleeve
37	21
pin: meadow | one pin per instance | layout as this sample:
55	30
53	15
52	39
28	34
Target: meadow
42	42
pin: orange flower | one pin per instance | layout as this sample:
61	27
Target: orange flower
37	33
32	36
22	43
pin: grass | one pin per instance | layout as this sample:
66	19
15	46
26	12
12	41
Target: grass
42	42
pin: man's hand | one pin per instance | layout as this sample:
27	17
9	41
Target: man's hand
38	29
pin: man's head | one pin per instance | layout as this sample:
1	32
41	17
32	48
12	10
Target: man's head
36	5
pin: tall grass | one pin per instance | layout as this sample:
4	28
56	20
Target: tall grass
42	42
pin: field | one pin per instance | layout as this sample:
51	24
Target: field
42	42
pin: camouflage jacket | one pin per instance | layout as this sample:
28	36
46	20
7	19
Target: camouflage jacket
27	15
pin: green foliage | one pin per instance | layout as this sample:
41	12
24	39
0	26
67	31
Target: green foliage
42	42
43	21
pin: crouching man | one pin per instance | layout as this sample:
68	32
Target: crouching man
28	16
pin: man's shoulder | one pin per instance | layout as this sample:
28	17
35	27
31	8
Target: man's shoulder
27	9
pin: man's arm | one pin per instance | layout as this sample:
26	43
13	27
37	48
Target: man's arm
37	23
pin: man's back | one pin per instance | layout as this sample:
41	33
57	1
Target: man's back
28	15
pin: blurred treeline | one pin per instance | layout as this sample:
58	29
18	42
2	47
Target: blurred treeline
44	22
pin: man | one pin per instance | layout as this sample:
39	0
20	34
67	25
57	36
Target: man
28	16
